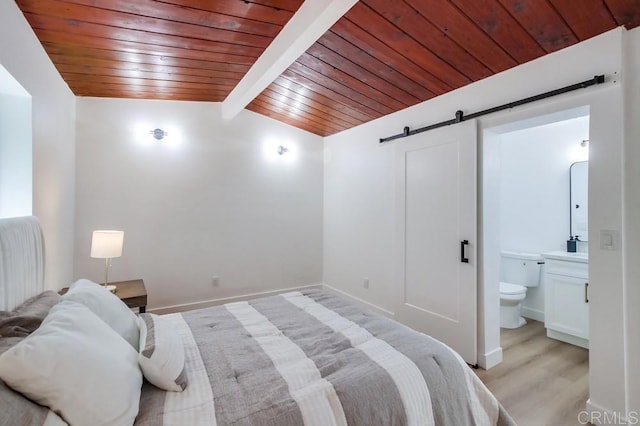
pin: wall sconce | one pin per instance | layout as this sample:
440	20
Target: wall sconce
158	134
282	150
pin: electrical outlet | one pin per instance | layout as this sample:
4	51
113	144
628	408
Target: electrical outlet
365	283
215	281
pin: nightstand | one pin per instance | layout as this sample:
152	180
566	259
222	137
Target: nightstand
133	293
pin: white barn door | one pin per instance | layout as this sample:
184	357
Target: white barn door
437	235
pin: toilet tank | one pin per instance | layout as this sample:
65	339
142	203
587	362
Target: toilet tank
521	268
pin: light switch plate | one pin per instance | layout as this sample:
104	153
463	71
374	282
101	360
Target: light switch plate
608	239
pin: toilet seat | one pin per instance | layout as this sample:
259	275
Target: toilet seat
511	298
512	289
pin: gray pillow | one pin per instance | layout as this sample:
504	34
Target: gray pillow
27	317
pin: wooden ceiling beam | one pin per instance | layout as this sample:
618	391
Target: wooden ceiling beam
312	19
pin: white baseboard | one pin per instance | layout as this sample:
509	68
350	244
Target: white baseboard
578	341
598	415
533	314
215	302
377	309
490	359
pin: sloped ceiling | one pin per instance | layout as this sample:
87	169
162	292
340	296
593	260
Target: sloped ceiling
380	57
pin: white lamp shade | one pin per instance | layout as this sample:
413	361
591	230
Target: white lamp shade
107	244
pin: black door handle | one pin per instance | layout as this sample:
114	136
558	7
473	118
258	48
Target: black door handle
462	244
586	292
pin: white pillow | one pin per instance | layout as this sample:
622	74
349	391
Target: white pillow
108	307
78	366
161	353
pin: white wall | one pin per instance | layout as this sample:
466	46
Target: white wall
53	139
221	202
632	212
359	198
534	184
534	192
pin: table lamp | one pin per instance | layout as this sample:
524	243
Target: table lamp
107	245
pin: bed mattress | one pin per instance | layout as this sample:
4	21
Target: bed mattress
312	358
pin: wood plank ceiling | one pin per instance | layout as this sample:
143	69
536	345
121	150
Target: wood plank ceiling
382	56
181	49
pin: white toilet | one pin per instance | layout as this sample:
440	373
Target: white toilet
518	271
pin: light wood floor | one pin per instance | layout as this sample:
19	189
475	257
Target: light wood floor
541	381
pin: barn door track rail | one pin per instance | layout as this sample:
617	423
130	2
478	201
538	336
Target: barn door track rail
460	117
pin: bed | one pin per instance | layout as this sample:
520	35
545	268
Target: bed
297	358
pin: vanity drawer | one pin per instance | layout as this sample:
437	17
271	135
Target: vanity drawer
567	268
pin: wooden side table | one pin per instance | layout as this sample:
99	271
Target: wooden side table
133	293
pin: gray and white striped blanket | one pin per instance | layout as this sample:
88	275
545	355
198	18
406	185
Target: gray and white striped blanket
312	358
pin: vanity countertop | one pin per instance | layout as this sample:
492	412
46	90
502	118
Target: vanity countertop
581	257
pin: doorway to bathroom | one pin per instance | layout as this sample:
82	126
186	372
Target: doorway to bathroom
534	202
532	180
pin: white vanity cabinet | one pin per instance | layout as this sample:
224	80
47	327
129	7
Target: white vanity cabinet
566	290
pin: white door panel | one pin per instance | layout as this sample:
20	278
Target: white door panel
436	210
431	186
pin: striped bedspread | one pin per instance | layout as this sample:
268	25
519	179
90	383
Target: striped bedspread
311	358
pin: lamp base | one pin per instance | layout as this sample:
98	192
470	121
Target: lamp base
111	288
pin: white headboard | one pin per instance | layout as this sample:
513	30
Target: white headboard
21	260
